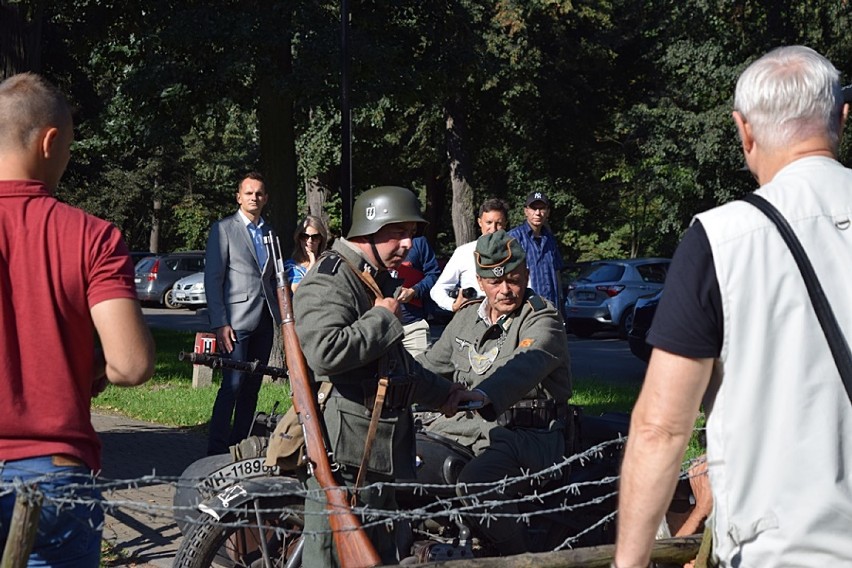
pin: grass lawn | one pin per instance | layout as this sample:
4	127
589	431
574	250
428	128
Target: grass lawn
169	398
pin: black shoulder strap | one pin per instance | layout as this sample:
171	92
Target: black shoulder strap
825	315
537	302
328	263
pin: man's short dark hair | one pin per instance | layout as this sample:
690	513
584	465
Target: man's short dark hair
253	174
494	204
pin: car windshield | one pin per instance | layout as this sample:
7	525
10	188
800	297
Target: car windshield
601	273
145	265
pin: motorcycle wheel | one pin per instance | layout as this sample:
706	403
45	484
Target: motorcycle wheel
222	544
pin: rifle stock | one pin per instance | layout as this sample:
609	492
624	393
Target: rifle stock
354	548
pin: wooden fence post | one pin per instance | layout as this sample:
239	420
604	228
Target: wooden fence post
22	529
203	376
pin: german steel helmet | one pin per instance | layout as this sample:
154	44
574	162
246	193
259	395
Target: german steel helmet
382	206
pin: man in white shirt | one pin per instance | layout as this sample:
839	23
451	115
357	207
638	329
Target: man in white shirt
459	275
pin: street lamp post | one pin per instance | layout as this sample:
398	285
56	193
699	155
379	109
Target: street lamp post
345	121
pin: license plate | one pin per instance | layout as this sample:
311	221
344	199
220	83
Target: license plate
237	471
585	296
137	280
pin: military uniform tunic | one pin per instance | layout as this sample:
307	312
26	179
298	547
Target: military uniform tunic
344	339
531	362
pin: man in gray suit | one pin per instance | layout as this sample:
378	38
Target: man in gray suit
240	287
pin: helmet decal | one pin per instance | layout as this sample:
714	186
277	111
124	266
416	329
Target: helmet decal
383	205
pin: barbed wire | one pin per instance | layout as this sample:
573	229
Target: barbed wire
548	494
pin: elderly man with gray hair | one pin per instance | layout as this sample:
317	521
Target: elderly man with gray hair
736	327
511	348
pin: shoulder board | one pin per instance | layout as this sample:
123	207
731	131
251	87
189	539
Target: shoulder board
536	302
471	302
329	264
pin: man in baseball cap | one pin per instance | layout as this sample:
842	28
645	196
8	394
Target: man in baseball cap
535	196
543	257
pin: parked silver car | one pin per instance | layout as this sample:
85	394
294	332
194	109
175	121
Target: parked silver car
189	291
604	293
156	275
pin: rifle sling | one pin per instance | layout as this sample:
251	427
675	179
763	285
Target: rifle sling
366	278
371	435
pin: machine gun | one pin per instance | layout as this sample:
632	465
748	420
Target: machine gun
354	548
217	362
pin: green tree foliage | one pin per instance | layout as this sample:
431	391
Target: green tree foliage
618	109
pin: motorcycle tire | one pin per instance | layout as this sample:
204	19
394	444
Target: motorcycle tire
191	491
221	543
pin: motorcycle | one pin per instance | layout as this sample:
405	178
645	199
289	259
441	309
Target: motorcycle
239	513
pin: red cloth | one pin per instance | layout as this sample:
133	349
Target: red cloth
410	276
56	262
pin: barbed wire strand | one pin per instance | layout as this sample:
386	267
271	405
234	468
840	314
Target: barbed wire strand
450	502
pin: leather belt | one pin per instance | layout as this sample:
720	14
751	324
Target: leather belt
535	413
64	460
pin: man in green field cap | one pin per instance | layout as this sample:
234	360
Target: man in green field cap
510	348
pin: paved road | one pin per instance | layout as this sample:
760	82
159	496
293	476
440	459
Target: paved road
141	529
603	357
181	320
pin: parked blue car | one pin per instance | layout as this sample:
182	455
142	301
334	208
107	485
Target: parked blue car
643	316
603	295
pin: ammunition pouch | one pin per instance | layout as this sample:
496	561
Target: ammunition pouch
540	413
535	413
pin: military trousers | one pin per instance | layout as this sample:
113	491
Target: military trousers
319	551
509	453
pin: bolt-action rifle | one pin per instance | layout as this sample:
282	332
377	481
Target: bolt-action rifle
354	548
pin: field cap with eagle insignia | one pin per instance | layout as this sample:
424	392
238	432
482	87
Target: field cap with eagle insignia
498	254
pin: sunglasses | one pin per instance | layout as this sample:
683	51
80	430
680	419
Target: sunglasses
314	237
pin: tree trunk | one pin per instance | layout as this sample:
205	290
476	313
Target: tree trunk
318	190
154	241
463	207
677	551
20	37
276	126
436	199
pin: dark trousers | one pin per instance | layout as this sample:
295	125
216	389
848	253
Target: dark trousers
237	396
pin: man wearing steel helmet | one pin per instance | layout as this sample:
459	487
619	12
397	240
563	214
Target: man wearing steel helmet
512	350
349	326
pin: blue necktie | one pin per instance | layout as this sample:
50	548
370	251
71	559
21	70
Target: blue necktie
257	239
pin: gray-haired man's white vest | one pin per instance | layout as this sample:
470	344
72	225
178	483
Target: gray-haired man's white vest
779	429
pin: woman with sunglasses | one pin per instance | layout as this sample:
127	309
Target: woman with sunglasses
309	242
